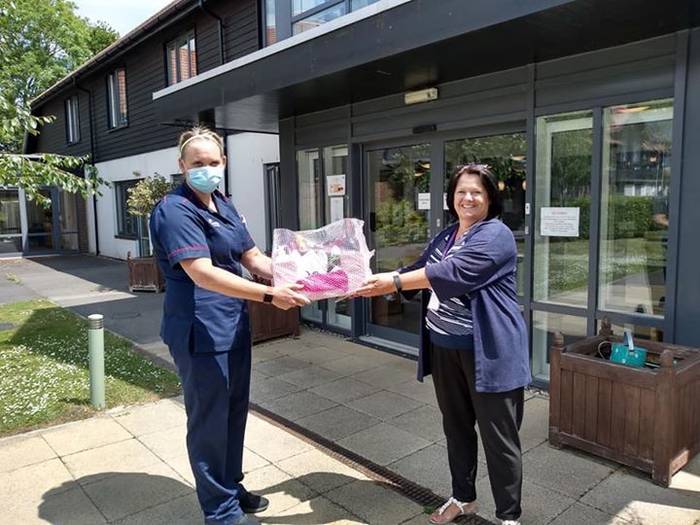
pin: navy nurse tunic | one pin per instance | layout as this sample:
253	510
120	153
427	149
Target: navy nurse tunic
208	336
183	228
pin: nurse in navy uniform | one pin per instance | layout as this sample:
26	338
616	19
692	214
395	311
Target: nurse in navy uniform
201	242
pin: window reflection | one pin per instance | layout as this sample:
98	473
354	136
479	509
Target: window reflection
563	180
634	208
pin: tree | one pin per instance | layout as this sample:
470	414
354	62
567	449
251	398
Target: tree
32	172
41	42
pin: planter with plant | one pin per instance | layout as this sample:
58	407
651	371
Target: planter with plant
144	273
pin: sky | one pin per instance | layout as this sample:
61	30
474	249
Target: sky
121	15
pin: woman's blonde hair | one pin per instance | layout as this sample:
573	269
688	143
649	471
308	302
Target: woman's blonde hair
199	133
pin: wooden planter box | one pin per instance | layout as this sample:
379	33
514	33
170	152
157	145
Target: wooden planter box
144	274
645	418
269	322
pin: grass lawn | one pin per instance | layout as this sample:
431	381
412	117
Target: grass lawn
44	377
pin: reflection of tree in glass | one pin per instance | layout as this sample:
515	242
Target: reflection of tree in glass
505	154
408	171
398	223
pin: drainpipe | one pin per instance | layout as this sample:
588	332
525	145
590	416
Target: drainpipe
92	157
222	50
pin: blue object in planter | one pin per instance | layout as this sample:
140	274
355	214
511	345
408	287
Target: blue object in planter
626	353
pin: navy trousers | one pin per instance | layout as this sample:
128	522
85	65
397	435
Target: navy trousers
216	389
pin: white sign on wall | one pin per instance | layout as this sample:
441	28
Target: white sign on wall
559	222
337	208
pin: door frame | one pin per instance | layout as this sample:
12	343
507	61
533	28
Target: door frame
367	331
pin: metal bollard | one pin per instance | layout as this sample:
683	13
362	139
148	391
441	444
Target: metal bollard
96	350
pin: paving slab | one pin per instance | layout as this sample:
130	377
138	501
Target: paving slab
123	494
384	405
272	443
298	405
122	457
428	467
374	503
71	507
319	471
183	510
338	422
280	488
350	365
584	515
67	439
425	421
268	389
535	428
319	354
384	376
383	443
20	451
280	366
540	505
563	470
345	389
317	511
31	484
139	420
168	443
636	499
421	392
310	377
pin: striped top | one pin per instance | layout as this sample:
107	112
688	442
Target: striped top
453	318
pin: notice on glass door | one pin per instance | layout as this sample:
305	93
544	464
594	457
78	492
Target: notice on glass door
424	201
335	185
337	208
559	222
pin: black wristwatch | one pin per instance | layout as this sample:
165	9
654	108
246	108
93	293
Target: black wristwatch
397	282
267	297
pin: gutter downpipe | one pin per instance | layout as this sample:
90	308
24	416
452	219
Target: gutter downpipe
222	50
92	157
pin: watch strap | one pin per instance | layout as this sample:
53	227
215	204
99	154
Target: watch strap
397	282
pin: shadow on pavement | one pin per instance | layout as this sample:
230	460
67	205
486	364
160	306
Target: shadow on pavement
125	498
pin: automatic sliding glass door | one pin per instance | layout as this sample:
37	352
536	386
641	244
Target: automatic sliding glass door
399	215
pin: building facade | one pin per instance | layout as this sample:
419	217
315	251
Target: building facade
105	109
583	109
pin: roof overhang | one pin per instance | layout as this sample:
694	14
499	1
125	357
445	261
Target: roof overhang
395	46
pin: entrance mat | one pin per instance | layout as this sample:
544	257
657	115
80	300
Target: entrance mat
407	488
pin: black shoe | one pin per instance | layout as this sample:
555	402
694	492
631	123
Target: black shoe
246	520
251	502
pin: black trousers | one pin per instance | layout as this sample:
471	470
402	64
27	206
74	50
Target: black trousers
498	415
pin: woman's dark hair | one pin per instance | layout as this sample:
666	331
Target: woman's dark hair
488	180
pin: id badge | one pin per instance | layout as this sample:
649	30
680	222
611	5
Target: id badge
434	302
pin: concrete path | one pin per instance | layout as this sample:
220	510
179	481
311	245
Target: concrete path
368	403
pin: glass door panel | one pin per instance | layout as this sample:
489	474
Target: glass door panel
506	156
563	188
310	217
337	206
399	197
10	226
634	207
40	224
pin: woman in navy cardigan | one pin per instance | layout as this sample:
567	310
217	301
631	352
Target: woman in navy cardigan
473	341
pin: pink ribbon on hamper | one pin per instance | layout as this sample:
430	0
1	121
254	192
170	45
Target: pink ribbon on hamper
335	281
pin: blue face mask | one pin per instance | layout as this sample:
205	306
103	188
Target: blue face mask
205	179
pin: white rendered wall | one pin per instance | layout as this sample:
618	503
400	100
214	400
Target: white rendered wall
247	153
163	162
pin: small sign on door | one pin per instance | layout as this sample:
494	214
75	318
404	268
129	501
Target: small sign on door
559	222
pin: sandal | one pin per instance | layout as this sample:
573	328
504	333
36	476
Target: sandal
447	513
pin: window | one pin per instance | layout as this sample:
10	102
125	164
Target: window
127	224
116	97
72	120
284	18
181	58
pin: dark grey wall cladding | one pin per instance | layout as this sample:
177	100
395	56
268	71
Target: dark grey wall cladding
645	68
688	278
639	67
145	73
